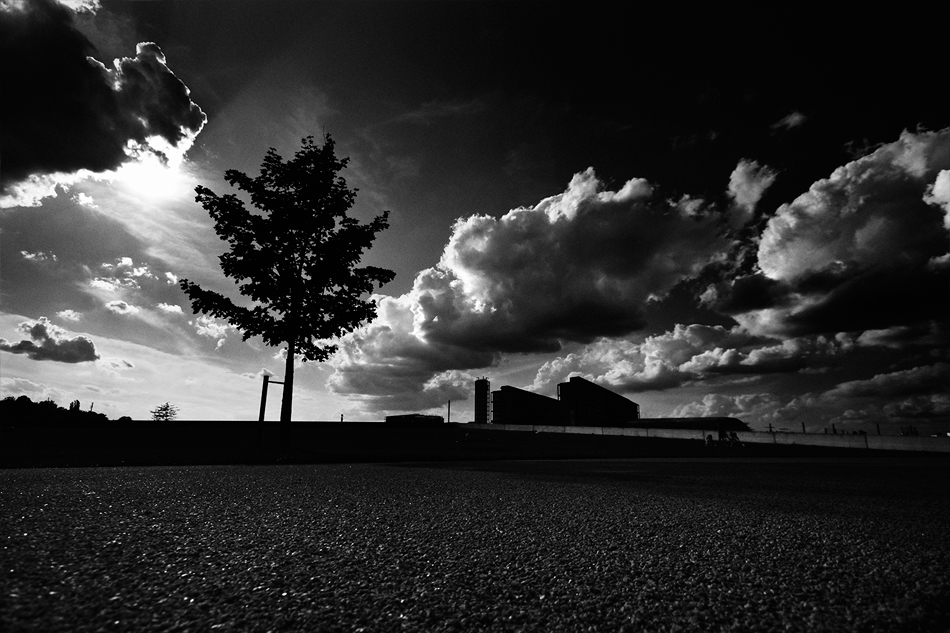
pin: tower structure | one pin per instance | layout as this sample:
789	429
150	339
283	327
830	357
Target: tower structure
482	401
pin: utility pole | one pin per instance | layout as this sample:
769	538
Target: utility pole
449	416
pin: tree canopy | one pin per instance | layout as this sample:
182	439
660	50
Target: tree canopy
164	413
296	258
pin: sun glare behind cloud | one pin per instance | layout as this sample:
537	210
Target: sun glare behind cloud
149	178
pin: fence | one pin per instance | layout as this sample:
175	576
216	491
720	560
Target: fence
870	442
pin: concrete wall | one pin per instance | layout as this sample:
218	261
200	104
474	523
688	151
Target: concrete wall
871	442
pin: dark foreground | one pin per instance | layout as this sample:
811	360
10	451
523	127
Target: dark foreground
607	545
202	443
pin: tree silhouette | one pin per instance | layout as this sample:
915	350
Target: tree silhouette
164	413
296	259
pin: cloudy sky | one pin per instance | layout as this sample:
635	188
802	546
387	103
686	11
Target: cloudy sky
719	212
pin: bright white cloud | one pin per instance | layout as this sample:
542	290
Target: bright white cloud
121	307
862	215
69	315
85	200
743	406
39	257
30	191
747	184
532	278
685	354
103	284
939	194
171	309
212	328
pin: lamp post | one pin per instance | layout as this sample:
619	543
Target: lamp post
267	380
284	440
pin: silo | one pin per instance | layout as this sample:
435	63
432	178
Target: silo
482	400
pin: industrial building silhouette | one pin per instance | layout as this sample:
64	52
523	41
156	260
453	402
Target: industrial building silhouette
579	403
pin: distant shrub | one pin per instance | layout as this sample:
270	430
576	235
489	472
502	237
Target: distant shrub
164	413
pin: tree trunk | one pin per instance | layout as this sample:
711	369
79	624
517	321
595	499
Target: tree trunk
286	402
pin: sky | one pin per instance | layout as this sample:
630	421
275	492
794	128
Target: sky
715	211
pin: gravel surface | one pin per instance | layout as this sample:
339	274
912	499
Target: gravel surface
652	545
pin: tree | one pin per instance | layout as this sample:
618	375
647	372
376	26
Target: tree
164	413
296	259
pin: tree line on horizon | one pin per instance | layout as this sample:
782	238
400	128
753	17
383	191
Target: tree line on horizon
22	409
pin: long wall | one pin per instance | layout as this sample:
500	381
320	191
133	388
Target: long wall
871	442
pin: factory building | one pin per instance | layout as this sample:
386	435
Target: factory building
482	401
584	403
511	405
579	403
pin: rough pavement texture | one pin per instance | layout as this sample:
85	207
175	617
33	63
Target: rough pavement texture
655	545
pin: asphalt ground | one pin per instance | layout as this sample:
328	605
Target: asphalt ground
599	545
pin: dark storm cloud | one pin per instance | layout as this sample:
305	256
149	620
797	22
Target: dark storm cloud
63	111
50	342
865	248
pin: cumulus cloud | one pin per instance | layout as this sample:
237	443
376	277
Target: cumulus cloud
69	315
51	342
747	184
212	328
66	114
939	194
263	372
685	354
531	279
718	405
416	395
103	284
121	307
576	266
85	200
854	252
171	309
38	257
388	363
120	274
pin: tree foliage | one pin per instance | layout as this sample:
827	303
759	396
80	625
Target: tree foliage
164	413
296	258
22	411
